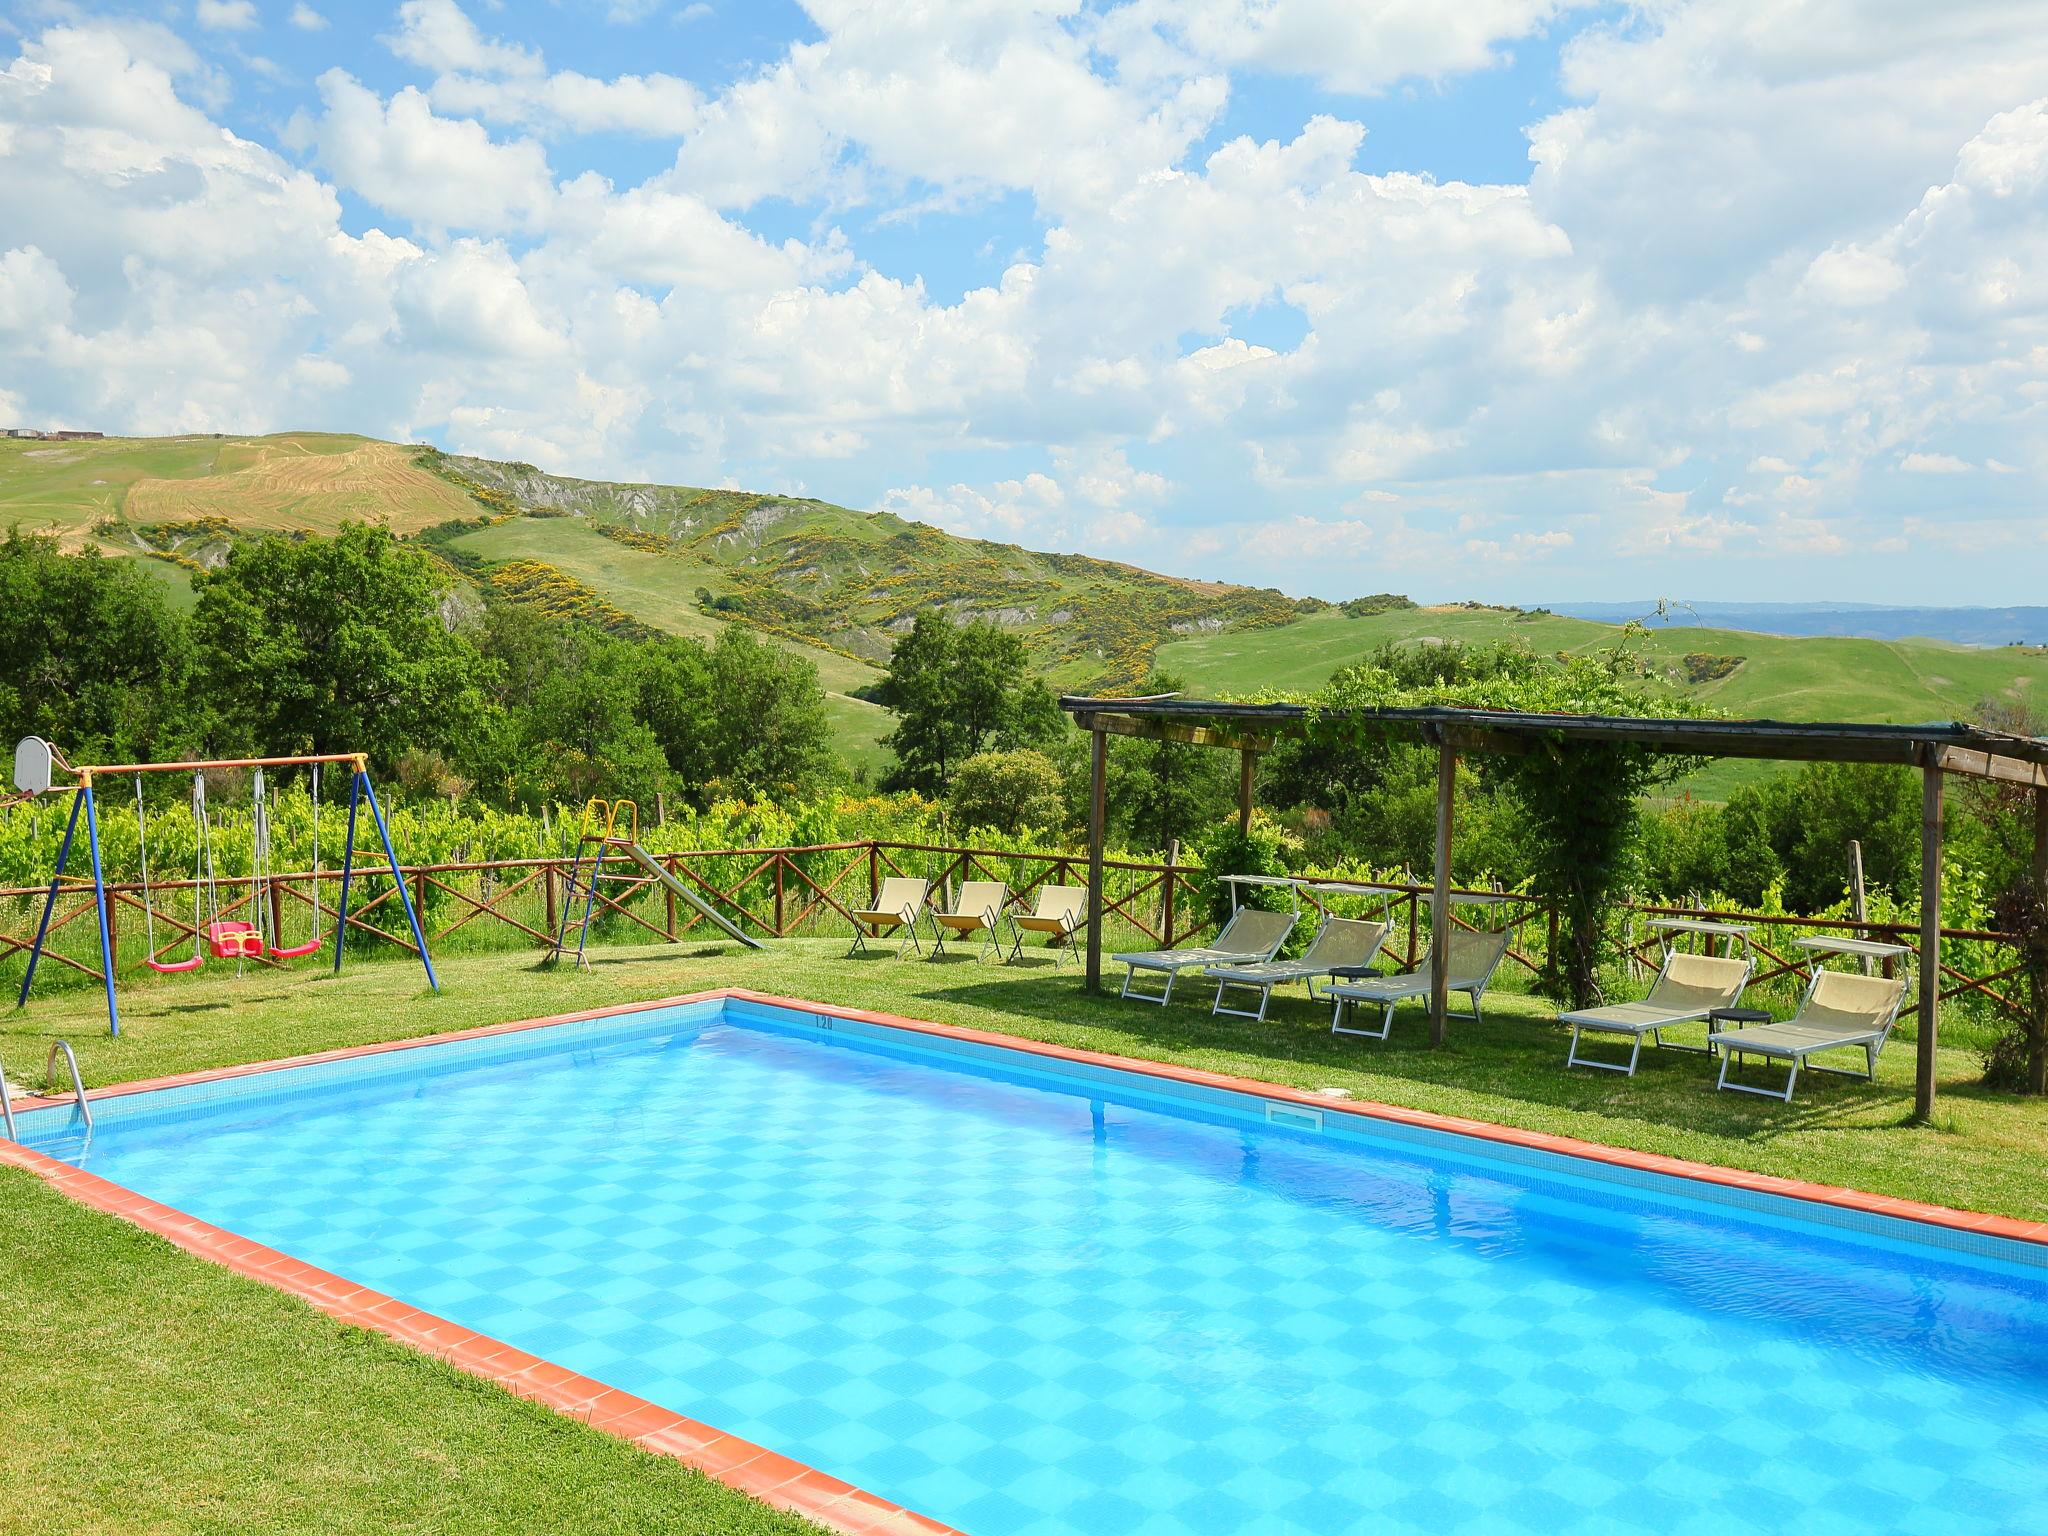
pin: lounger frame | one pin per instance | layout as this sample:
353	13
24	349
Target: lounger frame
1588	1019
1171	962
1733	1047
902	921
1390	991
986	923
1304	970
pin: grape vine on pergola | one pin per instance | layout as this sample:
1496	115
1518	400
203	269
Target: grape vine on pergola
1250	729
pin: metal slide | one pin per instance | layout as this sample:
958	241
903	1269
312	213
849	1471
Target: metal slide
683	893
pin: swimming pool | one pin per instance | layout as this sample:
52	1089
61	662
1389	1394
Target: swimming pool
1035	1298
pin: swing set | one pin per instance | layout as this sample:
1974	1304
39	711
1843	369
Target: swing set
216	932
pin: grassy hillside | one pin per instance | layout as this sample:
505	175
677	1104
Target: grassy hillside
1897	681
839	586
853	581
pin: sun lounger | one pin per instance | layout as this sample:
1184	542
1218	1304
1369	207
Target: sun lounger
1251	937
977	911
1475	955
896	910
1842	1010
1687	989
1343	949
1059	914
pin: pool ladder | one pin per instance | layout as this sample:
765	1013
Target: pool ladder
49	1069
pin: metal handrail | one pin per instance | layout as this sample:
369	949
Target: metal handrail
7	1108
77	1082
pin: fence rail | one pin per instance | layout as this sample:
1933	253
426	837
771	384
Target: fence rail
814	889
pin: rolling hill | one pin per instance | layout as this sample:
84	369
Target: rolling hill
838	586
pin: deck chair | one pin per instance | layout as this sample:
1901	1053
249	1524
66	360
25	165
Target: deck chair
977	911
1251	937
1059	914
1687	988
895	911
1343	949
1841	1011
1476	954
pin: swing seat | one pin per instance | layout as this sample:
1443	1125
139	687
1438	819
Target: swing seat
173	967
233	941
296	951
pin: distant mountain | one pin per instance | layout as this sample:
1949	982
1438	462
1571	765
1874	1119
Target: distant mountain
1871	621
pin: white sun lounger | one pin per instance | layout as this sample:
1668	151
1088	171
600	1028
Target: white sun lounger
1251	937
1475	955
1687	989
896	910
1344	948
1842	1010
977	911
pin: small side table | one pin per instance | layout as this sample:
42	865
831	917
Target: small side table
1734	1018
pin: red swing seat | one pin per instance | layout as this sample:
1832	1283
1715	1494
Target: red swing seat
172	967
296	951
233	941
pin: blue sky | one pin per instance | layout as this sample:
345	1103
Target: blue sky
1513	300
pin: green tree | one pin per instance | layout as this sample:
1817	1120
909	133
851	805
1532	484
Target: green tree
1007	792
771	735
91	655
328	645
957	690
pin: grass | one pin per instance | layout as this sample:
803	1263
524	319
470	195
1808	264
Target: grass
148	1390
1791	678
1984	1153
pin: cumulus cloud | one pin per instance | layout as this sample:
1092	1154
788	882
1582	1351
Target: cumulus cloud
437	172
1766	290
306	19
226	15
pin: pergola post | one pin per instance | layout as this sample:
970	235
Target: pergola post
1440	898
1098	817
1247	769
2037	1063
1930	939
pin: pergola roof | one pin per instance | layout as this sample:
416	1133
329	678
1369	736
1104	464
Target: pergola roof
1953	746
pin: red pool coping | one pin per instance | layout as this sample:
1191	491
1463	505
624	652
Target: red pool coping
775	1479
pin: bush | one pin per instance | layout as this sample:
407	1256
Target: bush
1007	792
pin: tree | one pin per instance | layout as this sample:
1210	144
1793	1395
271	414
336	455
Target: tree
92	656
772	736
1007	792
1162	790
957	690
326	645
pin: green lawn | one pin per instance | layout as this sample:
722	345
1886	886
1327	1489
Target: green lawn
148	1390
171	1396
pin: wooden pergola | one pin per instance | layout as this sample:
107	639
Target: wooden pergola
1250	729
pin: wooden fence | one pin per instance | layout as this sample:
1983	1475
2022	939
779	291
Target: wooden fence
812	891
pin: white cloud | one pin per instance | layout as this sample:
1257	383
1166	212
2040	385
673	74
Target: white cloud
1757	273
226	15
306	19
1935	464
438	35
1346	45
438	172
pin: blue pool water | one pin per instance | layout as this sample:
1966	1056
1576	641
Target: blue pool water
1038	1301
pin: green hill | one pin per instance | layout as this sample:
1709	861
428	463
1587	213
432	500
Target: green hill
838	586
1738	673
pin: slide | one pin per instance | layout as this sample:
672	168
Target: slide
684	894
